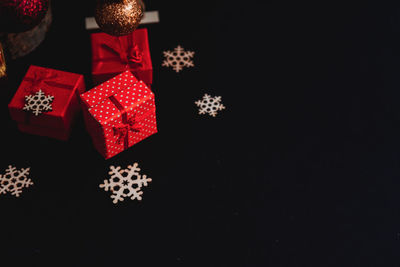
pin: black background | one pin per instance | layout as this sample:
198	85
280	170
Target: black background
301	169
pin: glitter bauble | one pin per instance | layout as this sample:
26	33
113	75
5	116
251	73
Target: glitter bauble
21	15
118	17
2	63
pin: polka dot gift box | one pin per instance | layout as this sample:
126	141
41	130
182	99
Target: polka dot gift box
119	113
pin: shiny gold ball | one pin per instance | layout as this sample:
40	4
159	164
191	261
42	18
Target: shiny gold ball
118	17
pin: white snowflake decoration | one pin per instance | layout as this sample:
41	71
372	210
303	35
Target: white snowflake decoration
38	103
125	183
210	105
178	59
14	180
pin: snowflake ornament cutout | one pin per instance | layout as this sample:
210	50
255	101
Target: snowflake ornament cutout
38	103
125	183
14	181
178	59
210	105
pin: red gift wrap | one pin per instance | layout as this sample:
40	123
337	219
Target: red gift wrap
112	55
65	87
119	113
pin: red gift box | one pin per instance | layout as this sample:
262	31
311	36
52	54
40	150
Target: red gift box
113	55
93	97
119	113
63	86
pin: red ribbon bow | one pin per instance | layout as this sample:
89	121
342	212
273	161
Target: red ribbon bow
122	130
46	77
40	77
128	53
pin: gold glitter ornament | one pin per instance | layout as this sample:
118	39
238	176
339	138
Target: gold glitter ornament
3	67
119	17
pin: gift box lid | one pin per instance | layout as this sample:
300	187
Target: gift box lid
61	86
99	93
135	101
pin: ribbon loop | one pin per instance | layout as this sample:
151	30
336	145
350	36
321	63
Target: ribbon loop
125	51
40	77
45	77
135	56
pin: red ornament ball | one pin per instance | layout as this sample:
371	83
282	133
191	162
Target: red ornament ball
21	15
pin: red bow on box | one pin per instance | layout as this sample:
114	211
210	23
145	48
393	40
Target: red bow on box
125	51
46	77
122	130
128	124
39	77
